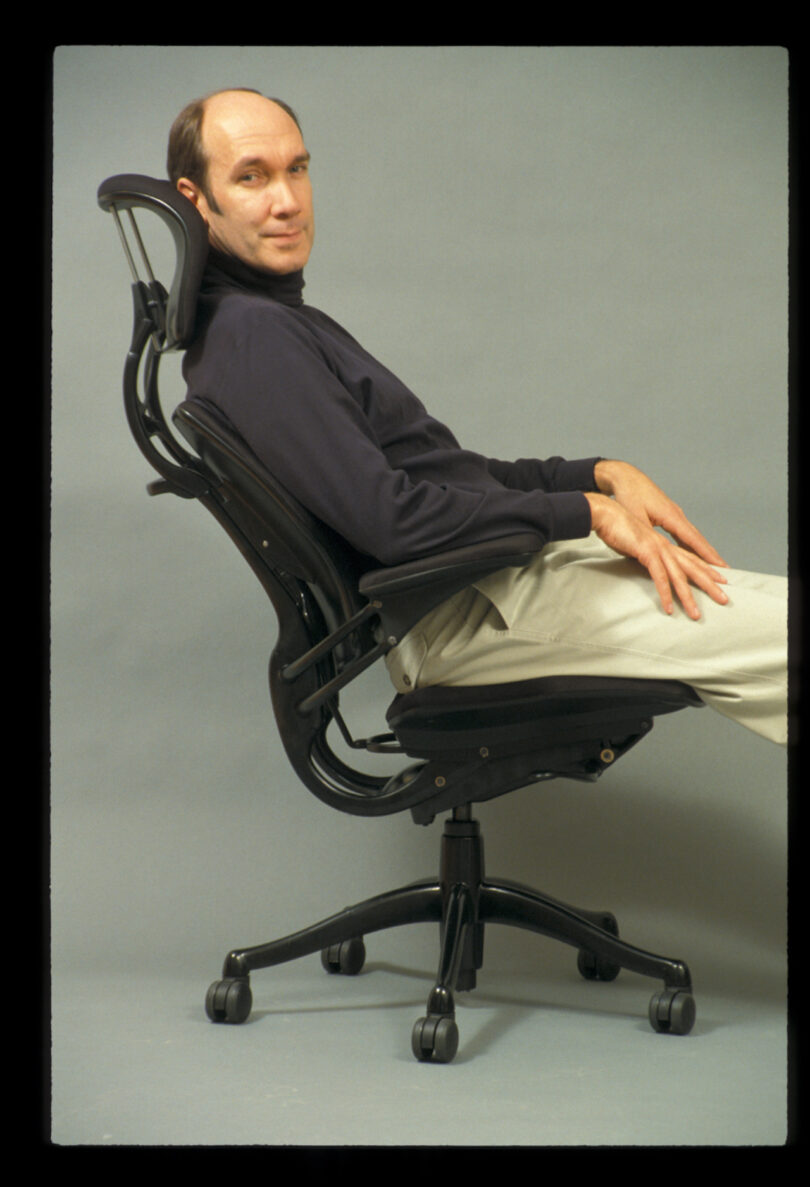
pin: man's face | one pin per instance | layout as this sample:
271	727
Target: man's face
258	178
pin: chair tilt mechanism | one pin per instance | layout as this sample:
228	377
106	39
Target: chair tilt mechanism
338	612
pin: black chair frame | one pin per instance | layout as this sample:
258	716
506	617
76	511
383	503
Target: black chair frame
338	612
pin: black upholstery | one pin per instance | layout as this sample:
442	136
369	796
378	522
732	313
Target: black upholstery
337	613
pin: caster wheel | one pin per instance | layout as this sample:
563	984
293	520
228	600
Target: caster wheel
672	1011
596	968
229	1000
347	957
435	1039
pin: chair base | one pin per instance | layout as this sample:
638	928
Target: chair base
462	901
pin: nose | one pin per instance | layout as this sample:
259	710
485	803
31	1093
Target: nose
283	200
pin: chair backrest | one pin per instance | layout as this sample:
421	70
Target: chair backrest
326	629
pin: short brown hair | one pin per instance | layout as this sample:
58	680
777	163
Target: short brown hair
186	155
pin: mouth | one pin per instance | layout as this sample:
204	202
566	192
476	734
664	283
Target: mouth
287	234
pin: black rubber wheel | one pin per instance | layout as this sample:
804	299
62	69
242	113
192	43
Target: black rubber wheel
435	1039
229	1000
347	957
672	1011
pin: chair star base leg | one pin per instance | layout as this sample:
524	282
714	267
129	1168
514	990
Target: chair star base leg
462	902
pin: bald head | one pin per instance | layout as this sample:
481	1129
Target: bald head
186	155
251	180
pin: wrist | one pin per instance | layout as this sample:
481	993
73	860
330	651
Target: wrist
604	475
598	504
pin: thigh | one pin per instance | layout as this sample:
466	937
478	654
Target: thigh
580	609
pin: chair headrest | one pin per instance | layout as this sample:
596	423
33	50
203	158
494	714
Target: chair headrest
128	191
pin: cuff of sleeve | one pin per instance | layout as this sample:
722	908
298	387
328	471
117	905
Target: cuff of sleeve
577	475
571	516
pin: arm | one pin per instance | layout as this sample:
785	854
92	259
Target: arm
555	474
354	445
627	522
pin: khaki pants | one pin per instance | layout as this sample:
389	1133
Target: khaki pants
580	609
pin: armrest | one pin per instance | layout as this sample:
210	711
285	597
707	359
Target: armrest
402	595
406	593
467	564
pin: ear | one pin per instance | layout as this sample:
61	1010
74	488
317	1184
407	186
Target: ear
194	194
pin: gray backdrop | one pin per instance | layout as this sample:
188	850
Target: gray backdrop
562	250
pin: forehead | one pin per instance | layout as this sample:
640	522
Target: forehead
237	126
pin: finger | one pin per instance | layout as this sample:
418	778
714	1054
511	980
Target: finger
686	535
680	583
691	558
707	580
703	549
658	572
685	570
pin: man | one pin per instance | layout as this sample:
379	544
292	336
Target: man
362	453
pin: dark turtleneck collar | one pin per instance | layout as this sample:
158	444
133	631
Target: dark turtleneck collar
230	270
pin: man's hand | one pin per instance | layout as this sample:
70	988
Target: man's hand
627	523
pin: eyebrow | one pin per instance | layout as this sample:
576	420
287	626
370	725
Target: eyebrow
246	162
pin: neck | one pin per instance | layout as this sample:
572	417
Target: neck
286	288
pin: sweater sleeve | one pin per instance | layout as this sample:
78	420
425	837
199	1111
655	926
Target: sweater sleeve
279	387
555	474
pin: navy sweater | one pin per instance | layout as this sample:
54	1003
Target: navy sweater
349	440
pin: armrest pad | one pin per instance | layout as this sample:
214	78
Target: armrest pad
464	564
406	593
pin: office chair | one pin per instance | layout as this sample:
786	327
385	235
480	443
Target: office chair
338	612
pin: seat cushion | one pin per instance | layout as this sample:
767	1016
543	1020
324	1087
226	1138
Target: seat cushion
540	711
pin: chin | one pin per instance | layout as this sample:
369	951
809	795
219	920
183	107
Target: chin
284	265
284	269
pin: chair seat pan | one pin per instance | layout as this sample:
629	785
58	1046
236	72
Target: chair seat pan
549	708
